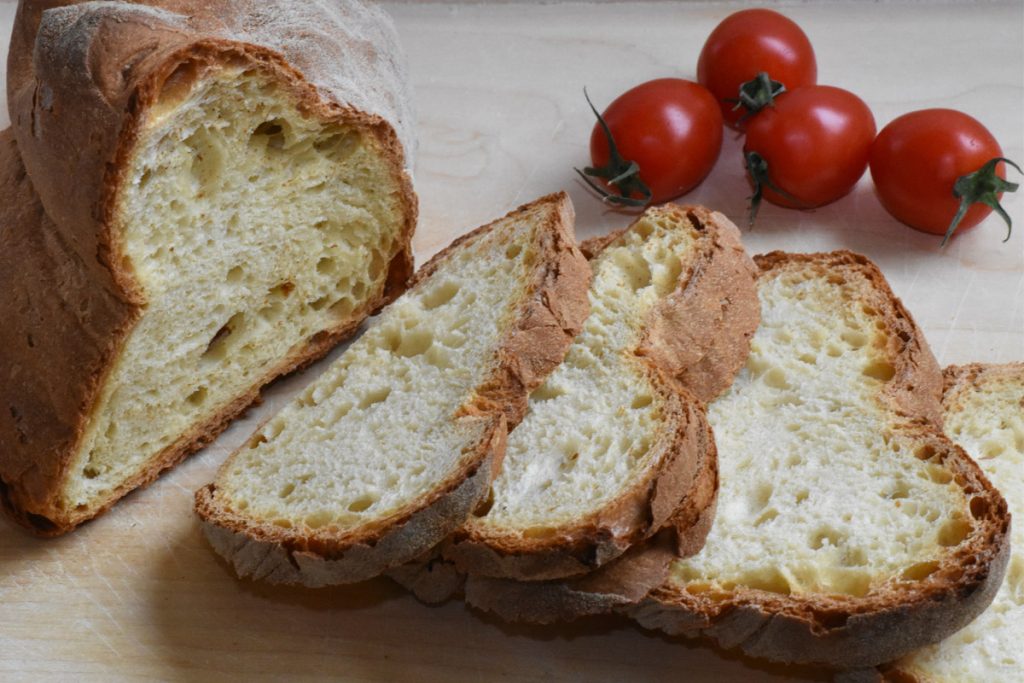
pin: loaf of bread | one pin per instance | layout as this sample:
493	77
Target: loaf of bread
612	447
984	413
850	531
222	197
393	447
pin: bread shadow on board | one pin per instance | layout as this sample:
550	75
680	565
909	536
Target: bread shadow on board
596	625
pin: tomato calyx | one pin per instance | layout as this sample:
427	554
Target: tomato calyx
757	167
982	187
756	94
621	174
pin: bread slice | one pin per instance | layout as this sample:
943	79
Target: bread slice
612	445
850	531
214	218
984	413
392	448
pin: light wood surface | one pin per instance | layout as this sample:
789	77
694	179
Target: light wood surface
138	595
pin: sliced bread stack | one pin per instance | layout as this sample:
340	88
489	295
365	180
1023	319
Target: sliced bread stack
614	447
984	413
198	198
850	531
393	447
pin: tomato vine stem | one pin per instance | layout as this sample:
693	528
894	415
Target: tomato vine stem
619	173
982	187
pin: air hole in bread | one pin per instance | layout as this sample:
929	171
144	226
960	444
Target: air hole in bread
953	532
269	135
855	338
321	303
440	295
220	343
992	449
283	523
513	251
326	266
776	378
768	579
197	397
825	536
374	397
880	370
362	503
979	507
281	291
337	147
919	571
939	474
318	519
208	156
274	428
635	269
414	343
899	490
286	490
760	496
342	307
766	516
235	274
641	401
925	452
801	496
255	441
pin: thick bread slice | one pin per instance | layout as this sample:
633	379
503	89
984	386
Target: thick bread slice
612	445
221	208
850	531
392	448
984	411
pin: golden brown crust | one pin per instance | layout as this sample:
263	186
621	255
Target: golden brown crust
854	632
714	306
101	68
314	558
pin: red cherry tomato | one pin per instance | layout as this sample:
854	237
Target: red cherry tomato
672	130
918	159
750	42
812	146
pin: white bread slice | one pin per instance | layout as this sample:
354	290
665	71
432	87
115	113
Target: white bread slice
850	531
984	413
396	443
612	445
214	219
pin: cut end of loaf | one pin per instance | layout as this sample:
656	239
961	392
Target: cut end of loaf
253	232
390	429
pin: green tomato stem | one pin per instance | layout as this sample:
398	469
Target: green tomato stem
621	174
982	187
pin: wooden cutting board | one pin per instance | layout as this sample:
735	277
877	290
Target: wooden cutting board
138	595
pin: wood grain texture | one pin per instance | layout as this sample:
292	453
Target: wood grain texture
138	594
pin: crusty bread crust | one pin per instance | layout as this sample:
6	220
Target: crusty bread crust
855	632
549	313
101	68
715	306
